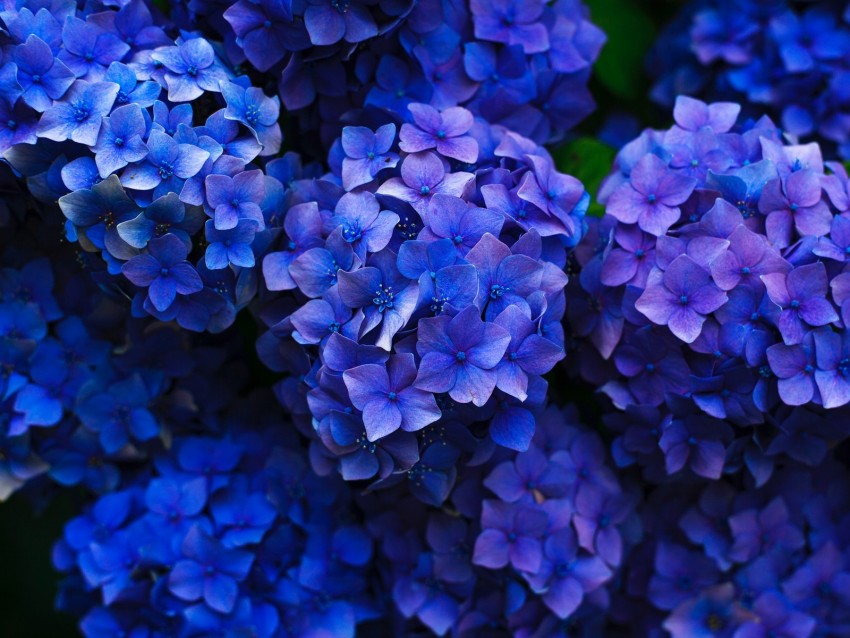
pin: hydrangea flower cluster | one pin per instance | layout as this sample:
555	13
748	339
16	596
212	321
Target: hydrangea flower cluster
731	560
782	57
541	548
523	65
303	384
231	535
713	293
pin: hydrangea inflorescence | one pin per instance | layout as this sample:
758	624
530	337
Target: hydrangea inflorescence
785	58
712	289
302	381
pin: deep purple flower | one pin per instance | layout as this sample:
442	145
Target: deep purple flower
596	517
423	176
835	245
232	246
652	196
756	532
318	319
264	30
833	367
329	21
679	574
527	353
565	576
698	442
386	396
553	192
446	131
775	617
511	534
653	367
459	355
530	478
748	257
18	124
367	153
236	198
794	366
387	298
363	224
164	271
505	279
303	226
448	217
209	572
801	294
257	111
680	298
794	203
630	260
511	22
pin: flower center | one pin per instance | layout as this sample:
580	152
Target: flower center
166	170
119	141
461	356
392	396
384	298
651	198
424	190
745	270
497	290
252	114
36	79
441	134
351	231
11	125
81	113
192	71
794	304
341	5
683	299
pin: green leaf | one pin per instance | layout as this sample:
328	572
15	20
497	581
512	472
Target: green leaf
590	161
630	32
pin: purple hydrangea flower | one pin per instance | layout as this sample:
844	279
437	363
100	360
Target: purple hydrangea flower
78	116
367	153
164	271
119	141
680	298
801	294
511	534
41	76
388	399
652	196
446	132
191	68
459	355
